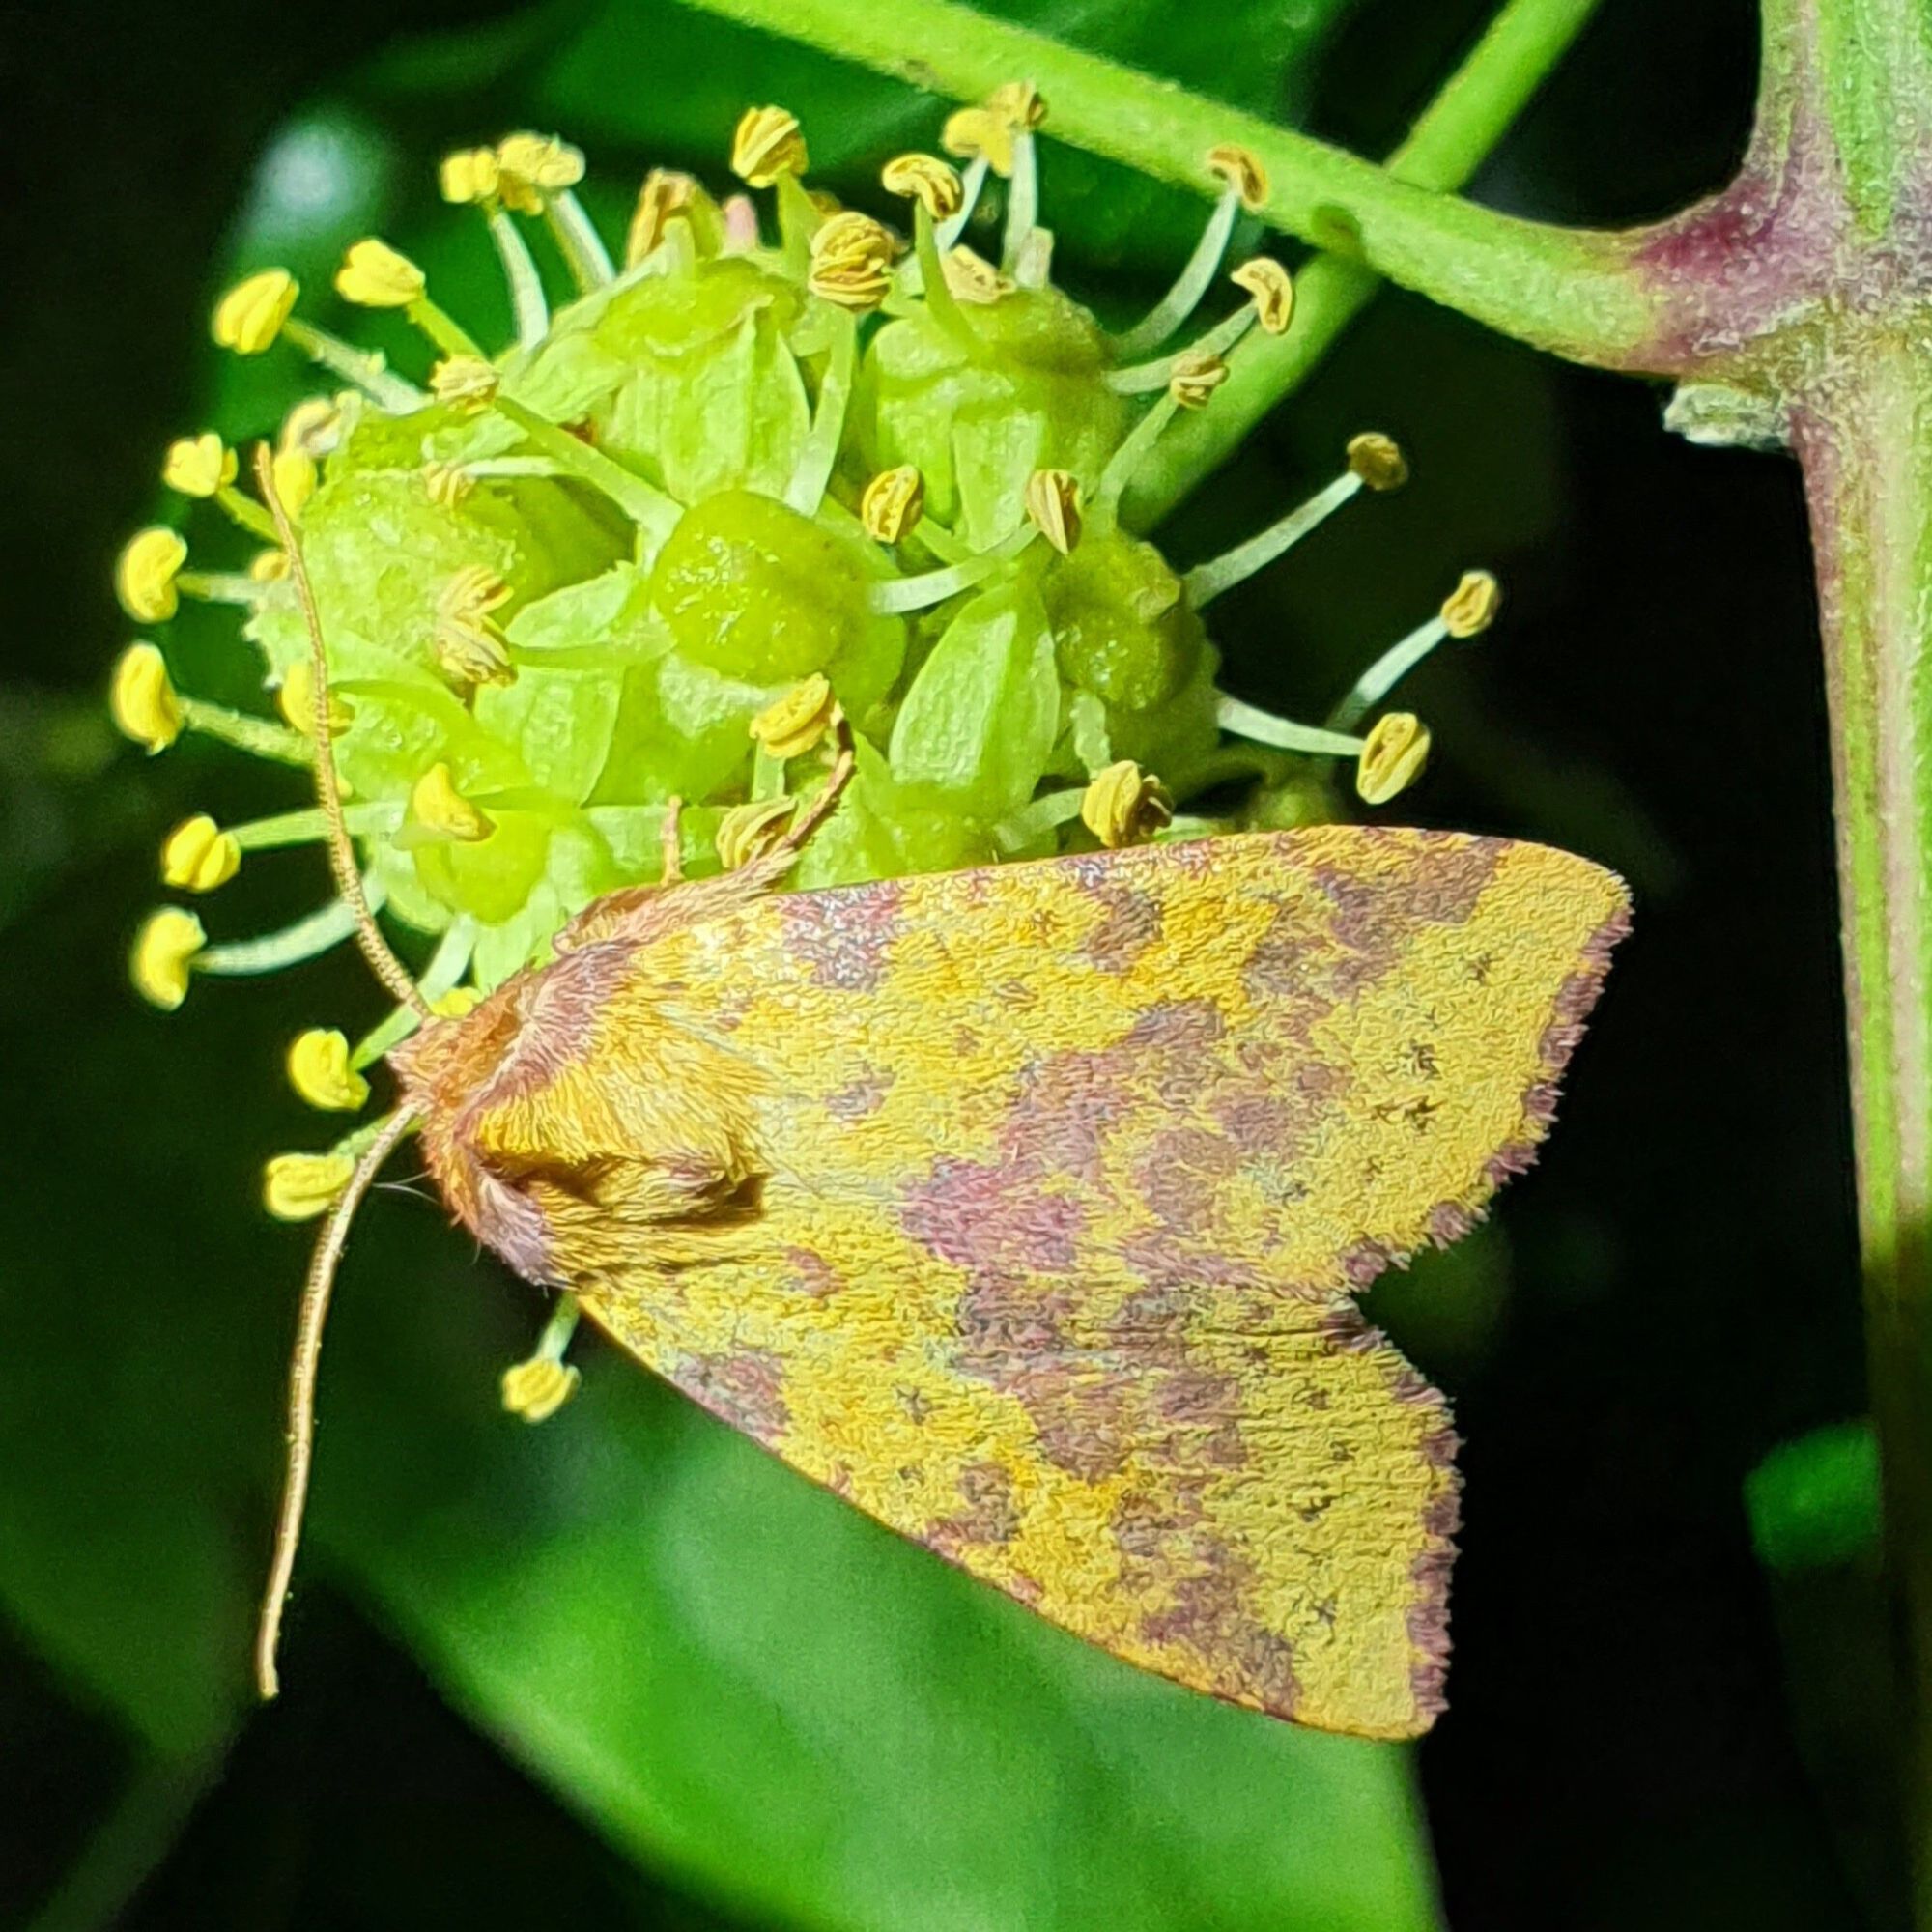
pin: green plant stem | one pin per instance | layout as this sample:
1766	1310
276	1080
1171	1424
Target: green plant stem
1452	137
1561	289
1867	456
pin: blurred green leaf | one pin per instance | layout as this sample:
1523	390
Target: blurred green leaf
1814	1503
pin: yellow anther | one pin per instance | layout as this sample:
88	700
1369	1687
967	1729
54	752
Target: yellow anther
664	194
269	566
531	168
295	476
163	955
250	316
300	1186
141	699
927	180
313	426
145	573
436	802
974	280
750	831
975	133
1019	104
198	465
469	643
536	1389
319	1071
1195	377
893	503
1052	501
456	1004
795	722
374	275
199	856
464	384
766	144
1272	289
468	175
296	701
1241	170
1378	460
994	127
1472	605
448	484
851	256
1393	757
1124	805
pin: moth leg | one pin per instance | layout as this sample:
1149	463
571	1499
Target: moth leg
670	842
537	1388
784	855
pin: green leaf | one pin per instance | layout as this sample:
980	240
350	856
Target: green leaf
1814	1502
979	720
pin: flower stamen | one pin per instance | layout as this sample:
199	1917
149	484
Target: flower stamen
1466	612
1374	463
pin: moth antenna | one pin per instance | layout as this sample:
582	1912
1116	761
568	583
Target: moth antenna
302	1364
383	963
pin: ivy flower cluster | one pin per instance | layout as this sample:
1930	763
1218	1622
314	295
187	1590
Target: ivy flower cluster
774	457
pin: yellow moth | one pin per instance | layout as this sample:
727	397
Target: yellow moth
1027	1206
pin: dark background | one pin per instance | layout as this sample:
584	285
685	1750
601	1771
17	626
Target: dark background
1647	1729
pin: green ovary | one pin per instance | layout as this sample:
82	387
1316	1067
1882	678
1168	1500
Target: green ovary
1121	625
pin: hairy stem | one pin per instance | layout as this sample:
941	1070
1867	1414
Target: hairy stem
1562	288
1866	447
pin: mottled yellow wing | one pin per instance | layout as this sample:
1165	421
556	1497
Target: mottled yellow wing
1025	1207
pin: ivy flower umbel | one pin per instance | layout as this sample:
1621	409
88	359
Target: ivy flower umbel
791	465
